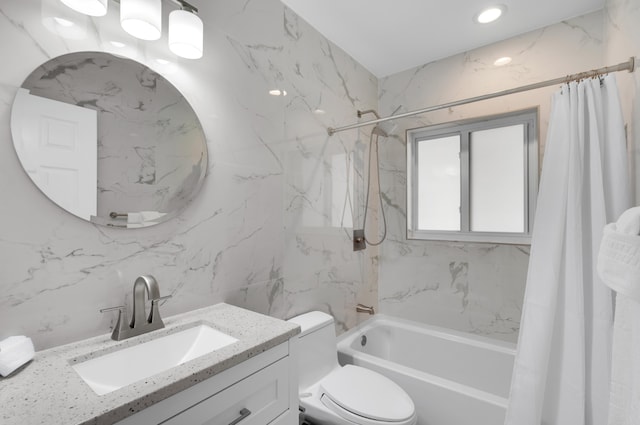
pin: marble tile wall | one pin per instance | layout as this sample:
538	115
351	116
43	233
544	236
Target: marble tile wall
266	231
622	36
324	199
271	228
475	288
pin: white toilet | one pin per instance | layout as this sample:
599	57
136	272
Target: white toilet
335	395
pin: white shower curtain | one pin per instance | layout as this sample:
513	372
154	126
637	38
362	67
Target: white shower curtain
562	368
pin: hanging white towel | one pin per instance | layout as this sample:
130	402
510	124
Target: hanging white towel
619	268
143	218
619	256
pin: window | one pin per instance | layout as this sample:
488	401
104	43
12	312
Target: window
473	180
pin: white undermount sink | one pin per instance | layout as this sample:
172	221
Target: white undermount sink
123	367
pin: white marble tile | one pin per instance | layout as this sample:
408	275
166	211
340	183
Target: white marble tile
471	287
230	242
324	178
623	41
267	230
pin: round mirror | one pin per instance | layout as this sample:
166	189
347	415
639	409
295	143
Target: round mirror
108	139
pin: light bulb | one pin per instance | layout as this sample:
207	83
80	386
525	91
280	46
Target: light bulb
88	7
490	14
185	34
142	18
502	61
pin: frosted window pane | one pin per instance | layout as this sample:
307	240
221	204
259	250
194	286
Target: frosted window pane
439	183
497	179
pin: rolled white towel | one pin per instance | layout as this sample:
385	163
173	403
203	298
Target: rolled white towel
14	352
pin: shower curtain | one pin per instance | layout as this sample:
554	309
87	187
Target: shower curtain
562	369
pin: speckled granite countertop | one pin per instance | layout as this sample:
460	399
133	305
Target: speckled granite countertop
48	391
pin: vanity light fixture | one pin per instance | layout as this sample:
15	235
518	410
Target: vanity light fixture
88	7
185	31
142	18
490	14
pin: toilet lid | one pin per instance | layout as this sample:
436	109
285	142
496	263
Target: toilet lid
368	394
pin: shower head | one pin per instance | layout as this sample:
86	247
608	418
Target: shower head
377	130
385	129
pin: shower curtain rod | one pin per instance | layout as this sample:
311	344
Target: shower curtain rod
624	66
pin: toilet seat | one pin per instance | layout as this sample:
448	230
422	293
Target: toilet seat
363	396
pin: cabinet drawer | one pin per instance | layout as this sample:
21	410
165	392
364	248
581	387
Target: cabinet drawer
255	400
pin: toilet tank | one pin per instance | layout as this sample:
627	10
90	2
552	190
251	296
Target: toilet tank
317	352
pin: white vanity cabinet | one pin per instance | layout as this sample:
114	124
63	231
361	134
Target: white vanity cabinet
259	391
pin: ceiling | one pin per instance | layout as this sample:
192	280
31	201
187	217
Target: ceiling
389	36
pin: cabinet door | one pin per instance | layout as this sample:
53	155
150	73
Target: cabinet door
256	400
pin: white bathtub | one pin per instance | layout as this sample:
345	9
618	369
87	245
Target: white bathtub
454	378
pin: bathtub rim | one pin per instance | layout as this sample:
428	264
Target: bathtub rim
480	341
345	341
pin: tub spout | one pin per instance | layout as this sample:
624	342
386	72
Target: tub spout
361	308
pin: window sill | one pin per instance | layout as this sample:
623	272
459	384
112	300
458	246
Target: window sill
476	237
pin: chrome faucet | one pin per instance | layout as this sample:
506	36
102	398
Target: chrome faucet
140	322
361	308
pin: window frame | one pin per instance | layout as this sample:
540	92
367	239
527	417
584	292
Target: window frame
463	128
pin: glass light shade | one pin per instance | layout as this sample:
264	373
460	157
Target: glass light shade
142	18
185	34
88	7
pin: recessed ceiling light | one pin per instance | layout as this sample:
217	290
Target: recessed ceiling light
490	14
502	61
276	92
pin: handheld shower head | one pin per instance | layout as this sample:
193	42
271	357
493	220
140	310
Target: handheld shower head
385	129
377	130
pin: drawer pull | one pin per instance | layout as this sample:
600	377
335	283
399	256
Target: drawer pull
243	415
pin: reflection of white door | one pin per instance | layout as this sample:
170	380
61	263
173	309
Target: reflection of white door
57	144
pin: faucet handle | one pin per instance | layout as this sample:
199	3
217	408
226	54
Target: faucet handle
157	300
120	329
119	308
154	315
